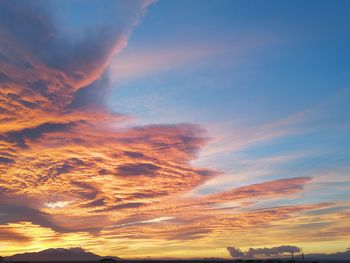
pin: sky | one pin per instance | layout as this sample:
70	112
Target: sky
174	128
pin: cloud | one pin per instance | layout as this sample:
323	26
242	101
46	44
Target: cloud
73	174
84	59
134	155
58	204
281	187
285	251
92	95
162	57
19	137
8	234
235	252
39	80
124	206
135	169
141	63
19	213
6	160
95	203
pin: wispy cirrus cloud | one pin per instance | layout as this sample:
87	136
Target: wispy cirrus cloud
143	62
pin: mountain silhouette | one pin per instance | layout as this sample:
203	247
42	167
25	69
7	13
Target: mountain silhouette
334	256
58	254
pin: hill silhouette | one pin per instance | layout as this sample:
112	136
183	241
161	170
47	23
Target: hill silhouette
57	254
345	255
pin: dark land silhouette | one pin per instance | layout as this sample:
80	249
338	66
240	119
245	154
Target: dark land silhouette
77	254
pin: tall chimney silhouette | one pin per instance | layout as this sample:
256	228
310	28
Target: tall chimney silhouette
302	255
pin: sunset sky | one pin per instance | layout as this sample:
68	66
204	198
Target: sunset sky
174	128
